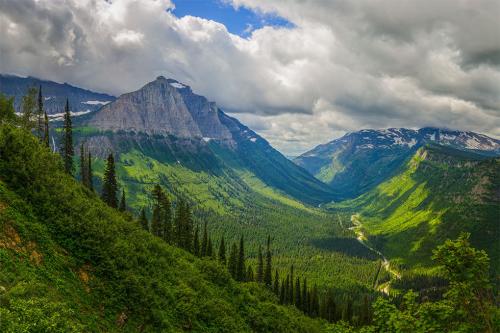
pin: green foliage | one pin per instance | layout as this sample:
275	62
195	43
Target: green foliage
7	112
110	186
79	265
67	140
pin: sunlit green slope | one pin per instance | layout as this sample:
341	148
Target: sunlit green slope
437	194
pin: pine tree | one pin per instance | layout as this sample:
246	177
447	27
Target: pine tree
314	302
123	202
222	251
204	242
298	301
89	171
305	304
166	212
241	268
233	260
46	136
210	250
156	227
287	289
196	243
109	186
179	221
188	228
29	107
260	267
276	283
83	166
67	149
143	220
290	286
268	269
282	292
249	276
40	113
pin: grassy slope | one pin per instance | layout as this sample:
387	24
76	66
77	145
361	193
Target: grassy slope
69	263
234	201
436	195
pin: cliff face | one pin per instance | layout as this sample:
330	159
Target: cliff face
164	107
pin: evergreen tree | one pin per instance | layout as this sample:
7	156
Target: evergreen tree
347	313
222	251
29	108
187	228
89	171
291	298
305	304
286	296
156	227
123	202
204	242
83	166
143	220
179	221
67	149
250	275
46	136
276	283
166	212
260	267
268	269
210	250
282	292
298	301
110	186
331	308
40	114
196	243
233	260
241	268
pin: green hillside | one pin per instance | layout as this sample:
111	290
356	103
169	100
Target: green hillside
72	264
437	194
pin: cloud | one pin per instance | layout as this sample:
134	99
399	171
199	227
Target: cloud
341	66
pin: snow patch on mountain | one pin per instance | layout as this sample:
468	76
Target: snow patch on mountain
96	102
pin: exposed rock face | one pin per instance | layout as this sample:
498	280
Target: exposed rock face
164	107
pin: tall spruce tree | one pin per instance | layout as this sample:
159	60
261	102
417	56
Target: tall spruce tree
204	242
222	251
46	135
268	269
143	220
67	149
298	301
233	260
276	285
110	186
250	275
123	202
83	166
187	228
40	114
291	287
210	249
260	266
305	304
156	222
241	268
282	292
89	171
196	242
29	108
166	208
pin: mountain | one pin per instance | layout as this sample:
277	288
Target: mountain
72	264
81	100
437	194
359	161
166	121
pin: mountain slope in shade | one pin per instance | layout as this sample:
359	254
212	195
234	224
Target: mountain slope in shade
359	161
436	194
165	120
55	94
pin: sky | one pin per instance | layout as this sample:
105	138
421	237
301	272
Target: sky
298	72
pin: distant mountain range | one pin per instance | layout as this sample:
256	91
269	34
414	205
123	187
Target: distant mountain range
359	161
81	100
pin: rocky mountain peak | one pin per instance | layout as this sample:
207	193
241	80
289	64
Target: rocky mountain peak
166	107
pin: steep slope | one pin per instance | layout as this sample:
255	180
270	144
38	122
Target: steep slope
72	264
359	161
166	121
55	94
435	195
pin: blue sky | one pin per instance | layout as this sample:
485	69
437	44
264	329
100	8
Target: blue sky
239	21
